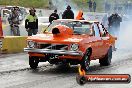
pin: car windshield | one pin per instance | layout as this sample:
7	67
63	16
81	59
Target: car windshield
77	26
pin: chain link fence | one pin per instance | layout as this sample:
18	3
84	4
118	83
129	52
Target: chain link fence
118	7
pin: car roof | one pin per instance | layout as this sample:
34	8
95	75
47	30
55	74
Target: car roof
72	20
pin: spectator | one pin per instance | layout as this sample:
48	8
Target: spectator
68	13
14	21
114	24
80	15
94	6
53	16
31	23
90	4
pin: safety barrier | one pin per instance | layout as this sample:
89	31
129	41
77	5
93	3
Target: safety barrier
1	31
12	44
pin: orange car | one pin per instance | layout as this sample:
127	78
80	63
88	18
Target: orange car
71	41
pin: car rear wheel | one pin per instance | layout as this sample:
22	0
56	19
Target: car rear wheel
33	62
86	61
64	65
107	59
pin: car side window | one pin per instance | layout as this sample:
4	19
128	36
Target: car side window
96	29
82	28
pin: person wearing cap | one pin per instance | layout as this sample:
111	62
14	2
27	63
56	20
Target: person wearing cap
68	13
80	15
53	16
31	23
14	21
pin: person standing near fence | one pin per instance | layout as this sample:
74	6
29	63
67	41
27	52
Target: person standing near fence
94	6
31	23
68	13
114	24
90	4
80	15
14	21
53	16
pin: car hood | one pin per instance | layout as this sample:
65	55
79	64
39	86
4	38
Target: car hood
50	38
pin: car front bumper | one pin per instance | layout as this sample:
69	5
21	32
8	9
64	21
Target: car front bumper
56	52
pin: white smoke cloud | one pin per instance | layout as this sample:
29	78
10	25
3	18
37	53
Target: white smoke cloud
62	4
125	37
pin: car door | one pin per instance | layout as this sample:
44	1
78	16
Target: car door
97	42
105	40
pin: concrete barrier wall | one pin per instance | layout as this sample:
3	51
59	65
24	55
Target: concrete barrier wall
13	44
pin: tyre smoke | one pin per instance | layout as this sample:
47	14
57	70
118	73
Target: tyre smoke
124	40
62	4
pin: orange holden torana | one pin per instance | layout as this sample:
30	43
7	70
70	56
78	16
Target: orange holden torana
71	41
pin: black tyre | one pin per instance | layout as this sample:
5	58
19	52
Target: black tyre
107	59
64	66
86	61
33	62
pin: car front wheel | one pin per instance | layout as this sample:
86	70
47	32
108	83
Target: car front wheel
33	62
86	61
